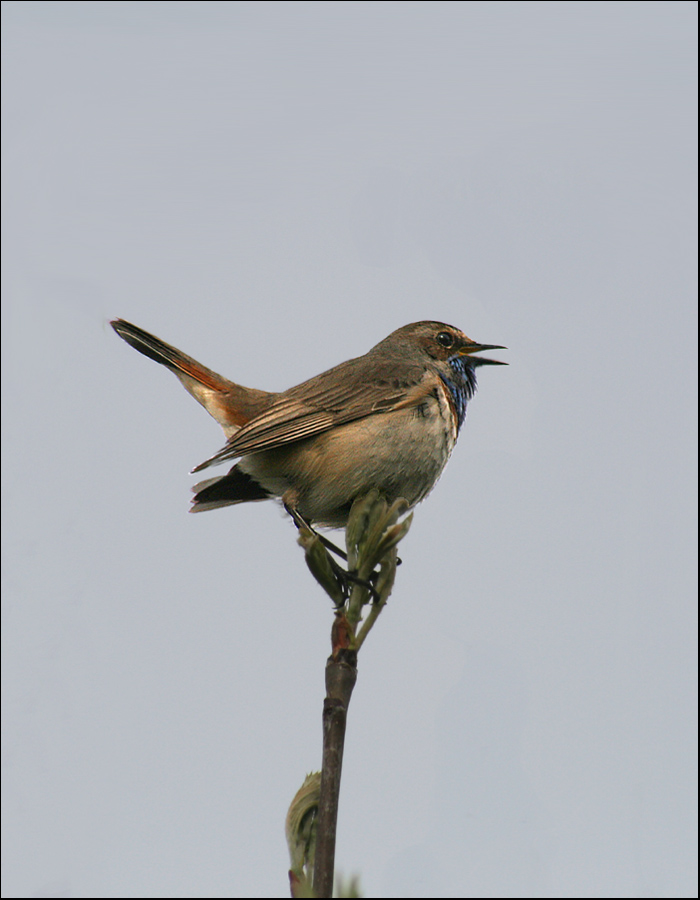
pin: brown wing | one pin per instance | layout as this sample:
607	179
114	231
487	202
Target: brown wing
344	394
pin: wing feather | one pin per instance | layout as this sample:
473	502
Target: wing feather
341	395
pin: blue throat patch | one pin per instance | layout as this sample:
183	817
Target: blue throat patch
462	386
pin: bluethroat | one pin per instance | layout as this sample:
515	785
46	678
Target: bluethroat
386	420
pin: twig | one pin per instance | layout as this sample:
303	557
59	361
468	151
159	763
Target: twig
372	534
341	674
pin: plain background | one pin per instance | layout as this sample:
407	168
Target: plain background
274	187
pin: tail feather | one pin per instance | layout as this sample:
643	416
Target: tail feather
169	356
235	487
231	404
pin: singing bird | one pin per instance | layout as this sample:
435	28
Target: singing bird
386	420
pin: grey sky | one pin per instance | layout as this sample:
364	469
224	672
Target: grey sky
274	188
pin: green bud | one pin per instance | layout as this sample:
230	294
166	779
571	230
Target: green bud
300	829
319	563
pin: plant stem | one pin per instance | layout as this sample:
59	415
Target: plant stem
341	674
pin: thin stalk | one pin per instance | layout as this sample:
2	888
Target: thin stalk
341	674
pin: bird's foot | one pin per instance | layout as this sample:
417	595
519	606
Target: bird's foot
347	578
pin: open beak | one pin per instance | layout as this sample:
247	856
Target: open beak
470	349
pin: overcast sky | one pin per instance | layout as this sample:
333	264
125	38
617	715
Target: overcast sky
273	188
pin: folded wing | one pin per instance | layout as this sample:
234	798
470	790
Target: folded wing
343	394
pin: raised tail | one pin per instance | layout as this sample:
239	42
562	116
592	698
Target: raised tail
231	404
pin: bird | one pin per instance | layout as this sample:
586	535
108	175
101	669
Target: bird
387	420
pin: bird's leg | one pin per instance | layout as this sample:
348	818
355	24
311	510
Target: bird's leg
343	575
301	522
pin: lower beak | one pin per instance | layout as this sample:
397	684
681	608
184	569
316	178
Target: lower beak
470	349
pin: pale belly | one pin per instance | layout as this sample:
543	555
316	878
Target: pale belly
401	453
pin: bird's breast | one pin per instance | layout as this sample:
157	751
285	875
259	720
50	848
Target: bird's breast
402	453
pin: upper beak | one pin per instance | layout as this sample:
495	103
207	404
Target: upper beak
470	349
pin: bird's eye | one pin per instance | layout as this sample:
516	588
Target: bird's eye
445	338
